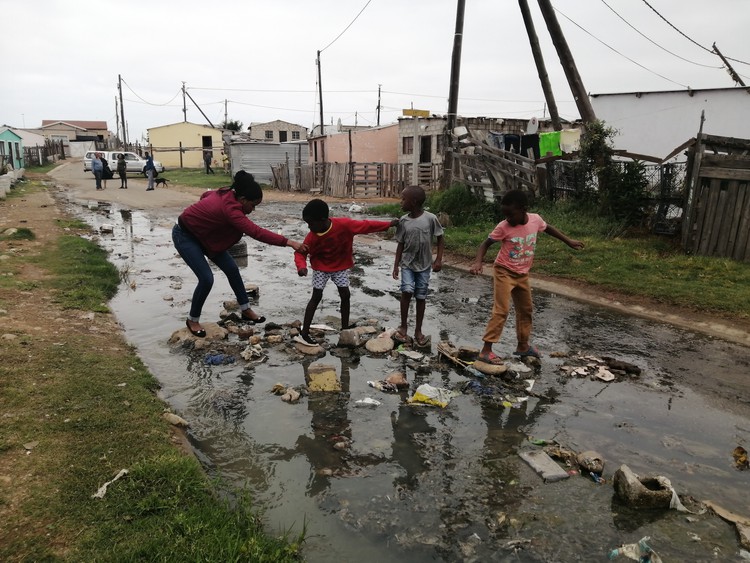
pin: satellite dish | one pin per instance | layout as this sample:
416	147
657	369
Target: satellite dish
533	126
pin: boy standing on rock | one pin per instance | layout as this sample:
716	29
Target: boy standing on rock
414	235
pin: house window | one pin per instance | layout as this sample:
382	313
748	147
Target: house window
408	145
269	135
295	135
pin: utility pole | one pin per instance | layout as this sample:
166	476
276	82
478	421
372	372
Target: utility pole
117	119
540	68
379	86
322	129
122	112
225	113
199	108
730	70
453	94
566	60
184	104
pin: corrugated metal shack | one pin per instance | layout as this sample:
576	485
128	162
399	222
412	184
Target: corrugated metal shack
258	157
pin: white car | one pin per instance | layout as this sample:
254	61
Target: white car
135	163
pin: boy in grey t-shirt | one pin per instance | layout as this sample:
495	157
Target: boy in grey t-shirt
414	235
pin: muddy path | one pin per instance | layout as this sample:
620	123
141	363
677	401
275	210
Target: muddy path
423	483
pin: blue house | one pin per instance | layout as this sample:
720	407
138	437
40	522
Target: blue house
11	149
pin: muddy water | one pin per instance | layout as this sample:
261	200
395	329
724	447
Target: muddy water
426	484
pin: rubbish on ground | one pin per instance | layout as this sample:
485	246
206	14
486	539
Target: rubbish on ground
544	465
252	352
429	395
740	458
321	377
218	359
103	489
529	384
641	492
476	387
398	379
367	402
518	367
471	370
613	363
565	455
468	353
640	551
411	354
278	389
356	208
541	442
591	461
742	523
597	478
384	386
447	350
175	420
604	374
291	395
323	327
694	537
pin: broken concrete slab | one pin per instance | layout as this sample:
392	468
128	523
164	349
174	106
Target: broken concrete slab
544	465
640	492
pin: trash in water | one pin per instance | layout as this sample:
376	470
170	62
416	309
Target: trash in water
640	551
218	359
428	395
740	458
367	402
518	367
383	385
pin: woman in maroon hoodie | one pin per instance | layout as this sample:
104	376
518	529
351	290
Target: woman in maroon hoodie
208	228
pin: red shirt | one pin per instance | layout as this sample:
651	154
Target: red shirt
332	251
218	222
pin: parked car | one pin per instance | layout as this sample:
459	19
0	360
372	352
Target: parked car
135	163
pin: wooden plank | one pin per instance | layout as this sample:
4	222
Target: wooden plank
727	160
687	144
726	142
709	219
725	173
692	187
636	156
701	203
726	216
736	209
742	246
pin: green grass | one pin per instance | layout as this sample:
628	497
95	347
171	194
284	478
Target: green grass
22	233
197	178
616	259
43	169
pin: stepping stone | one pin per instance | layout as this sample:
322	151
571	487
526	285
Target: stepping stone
489	369
544	465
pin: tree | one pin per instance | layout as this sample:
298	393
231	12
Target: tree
231	125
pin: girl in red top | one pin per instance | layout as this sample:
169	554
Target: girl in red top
208	228
330	247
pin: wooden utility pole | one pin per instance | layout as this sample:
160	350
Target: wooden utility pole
453	95
322	129
117	119
379	85
225	113
540	68
566	60
730	70
184	104
122	112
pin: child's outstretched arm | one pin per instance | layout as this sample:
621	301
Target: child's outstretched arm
300	255
572	243
476	268
437	264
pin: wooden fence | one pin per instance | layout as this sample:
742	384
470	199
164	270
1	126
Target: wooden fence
718	198
361	180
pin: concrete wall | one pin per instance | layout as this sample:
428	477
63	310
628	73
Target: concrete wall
654	123
379	144
165	141
258	131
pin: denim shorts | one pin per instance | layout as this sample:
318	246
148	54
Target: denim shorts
416	283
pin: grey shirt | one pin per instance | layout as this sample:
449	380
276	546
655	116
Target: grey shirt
416	234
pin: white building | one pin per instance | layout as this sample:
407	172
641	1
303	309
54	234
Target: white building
654	123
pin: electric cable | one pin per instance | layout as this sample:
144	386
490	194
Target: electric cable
146	101
347	27
654	42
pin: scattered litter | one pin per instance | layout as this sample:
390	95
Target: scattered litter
367	402
518	367
218	359
291	395
411	354
741	523
428	395
476	387
693	536
640	551
253	351
103	489
356	208
322	327
591	461
175	420
28	446
383	385
529	384
470	370
278	389
544	465
740	458
598	479
604	374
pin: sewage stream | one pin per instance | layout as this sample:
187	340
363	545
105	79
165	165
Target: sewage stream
422	483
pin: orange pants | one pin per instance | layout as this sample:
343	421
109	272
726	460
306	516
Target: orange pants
509	286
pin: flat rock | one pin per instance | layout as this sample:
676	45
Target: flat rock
308	350
544	465
381	344
213	332
490	369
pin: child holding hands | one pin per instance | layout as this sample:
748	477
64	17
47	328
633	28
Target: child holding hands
518	235
329	245
414	235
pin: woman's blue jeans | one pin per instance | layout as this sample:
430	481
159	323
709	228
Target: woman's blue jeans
192	253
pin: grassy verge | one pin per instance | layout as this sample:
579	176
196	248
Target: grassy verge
196	178
78	406
631	263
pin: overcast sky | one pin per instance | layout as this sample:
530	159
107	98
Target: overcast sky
62	59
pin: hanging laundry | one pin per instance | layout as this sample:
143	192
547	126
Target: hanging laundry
570	140
549	144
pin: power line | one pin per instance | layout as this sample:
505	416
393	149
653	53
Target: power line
281	91
619	53
146	101
654	42
670	24
347	27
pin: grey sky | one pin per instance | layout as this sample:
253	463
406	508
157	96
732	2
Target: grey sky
62	58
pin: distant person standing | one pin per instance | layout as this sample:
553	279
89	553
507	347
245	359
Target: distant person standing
122	171
207	161
149	169
97	168
225	162
107	173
